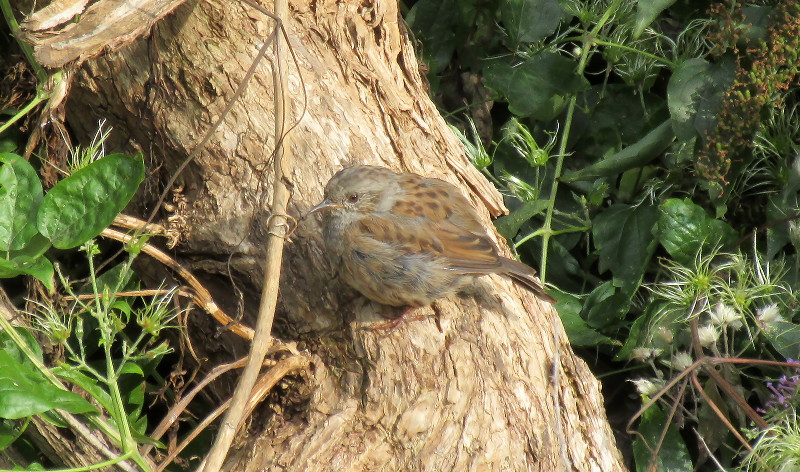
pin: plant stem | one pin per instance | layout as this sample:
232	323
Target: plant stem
39	98
589	41
16	32
667	62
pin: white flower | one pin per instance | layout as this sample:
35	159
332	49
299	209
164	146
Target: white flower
724	315
641	353
768	315
665	334
647	387
708	335
681	361
644	353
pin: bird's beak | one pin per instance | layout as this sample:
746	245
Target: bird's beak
324	205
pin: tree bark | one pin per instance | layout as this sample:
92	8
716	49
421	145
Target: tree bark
469	387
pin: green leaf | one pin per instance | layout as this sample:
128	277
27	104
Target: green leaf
530	20
436	23
624	239
685	228
509	225
115	279
25	392
646	12
757	21
35	248
88	384
580	334
635	337
785	338
636	155
20	197
40	268
131	368
537	87
673	455
9	432
779	206
694	96
79	207
606	306
8	345
30	261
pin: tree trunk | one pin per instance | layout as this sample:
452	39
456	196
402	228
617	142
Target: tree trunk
468	388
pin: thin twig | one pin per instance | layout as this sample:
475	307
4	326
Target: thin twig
131	222
201	296
276	234
719	412
260	390
175	411
132	293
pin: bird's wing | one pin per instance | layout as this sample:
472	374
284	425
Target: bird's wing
459	250
434	201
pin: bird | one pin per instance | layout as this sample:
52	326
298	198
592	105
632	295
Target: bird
404	240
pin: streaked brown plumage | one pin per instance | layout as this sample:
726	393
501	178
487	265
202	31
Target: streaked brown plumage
405	240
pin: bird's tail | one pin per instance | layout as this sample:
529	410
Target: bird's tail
526	276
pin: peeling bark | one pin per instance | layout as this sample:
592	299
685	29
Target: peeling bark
467	388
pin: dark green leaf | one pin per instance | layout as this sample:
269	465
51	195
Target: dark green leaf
579	333
646	12
30	261
40	268
606	306
785	338
537	87
9	432
79	207
624	239
685	228
710	426
672	456
758	19
779	207
25	392
509	225
694	96
635	337
530	20
115	279
635	155
435	23
20	197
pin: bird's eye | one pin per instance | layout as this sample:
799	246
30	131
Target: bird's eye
352	198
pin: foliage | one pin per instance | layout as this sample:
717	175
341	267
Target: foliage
111	343
649	153
69	214
102	360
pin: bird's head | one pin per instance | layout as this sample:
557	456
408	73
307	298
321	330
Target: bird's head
356	189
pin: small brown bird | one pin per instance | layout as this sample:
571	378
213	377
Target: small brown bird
405	240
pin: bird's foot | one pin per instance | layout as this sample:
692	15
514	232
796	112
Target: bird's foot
390	325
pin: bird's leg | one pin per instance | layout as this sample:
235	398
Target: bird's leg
392	324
